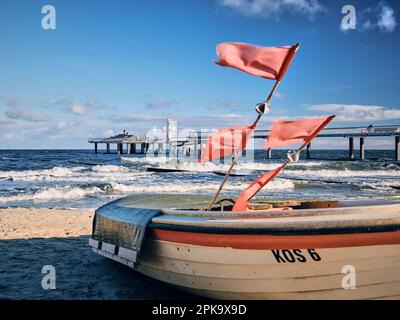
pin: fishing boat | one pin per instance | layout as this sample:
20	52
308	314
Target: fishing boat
279	250
250	247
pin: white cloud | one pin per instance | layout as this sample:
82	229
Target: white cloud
64	124
387	20
347	112
21	114
382	17
274	7
109	133
143	121
367	25
78	108
229	104
161	103
279	95
9	129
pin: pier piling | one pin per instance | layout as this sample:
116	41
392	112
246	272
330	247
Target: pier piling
120	148
107	148
269	153
308	151
132	148
362	149
351	148
195	148
198	152
95	148
397	147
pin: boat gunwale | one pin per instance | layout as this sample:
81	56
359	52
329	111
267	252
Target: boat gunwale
309	221
295	231
278	213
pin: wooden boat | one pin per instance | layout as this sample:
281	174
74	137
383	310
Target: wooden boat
279	250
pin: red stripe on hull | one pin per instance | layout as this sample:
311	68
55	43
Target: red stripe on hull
260	242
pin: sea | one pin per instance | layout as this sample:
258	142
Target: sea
82	179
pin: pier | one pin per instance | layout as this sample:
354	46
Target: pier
190	145
134	144
352	133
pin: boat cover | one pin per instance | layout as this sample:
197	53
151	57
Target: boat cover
123	222
122	226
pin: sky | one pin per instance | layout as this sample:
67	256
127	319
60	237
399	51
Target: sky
114	65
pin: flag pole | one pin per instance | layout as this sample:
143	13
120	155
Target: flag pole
260	108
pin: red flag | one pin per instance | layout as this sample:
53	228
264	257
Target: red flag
241	203
225	142
290	132
265	62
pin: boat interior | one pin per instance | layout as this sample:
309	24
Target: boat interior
226	204
196	205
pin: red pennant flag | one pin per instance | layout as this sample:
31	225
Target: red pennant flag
225	142
290	132
241	203
282	133
265	62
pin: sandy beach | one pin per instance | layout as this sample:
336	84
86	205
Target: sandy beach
32	238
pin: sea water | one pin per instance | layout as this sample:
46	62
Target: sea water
82	179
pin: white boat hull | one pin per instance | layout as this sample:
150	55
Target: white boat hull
256	274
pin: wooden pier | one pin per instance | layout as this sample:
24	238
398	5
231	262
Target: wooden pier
191	145
124	139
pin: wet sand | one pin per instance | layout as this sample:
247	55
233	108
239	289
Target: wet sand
33	238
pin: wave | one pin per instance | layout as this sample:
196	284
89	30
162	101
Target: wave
190	164
109	168
119	189
190	187
67	193
343	173
127	175
99	173
85	185
56	172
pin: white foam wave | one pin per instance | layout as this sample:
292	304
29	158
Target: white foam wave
190	164
56	172
101	173
66	193
147	160
109	168
346	173
120	189
278	184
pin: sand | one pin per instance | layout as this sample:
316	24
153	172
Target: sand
33	238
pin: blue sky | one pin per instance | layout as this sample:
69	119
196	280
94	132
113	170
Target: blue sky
114	65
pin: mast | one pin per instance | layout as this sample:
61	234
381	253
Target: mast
261	108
